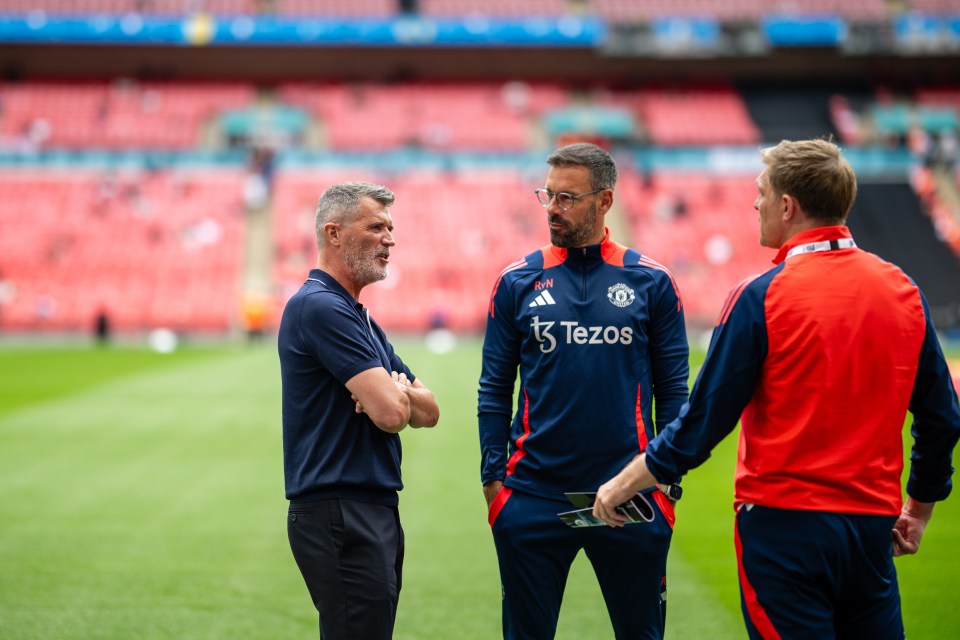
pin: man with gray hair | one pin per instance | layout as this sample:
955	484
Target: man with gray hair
346	396
596	331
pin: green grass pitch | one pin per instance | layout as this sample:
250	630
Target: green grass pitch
142	497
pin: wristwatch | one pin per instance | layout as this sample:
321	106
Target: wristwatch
672	491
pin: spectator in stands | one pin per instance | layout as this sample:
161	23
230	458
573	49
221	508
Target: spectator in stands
821	357
679	205
346	397
921	145
7	293
256	307
101	327
947	149
597	333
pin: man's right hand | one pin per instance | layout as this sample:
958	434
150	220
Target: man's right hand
490	491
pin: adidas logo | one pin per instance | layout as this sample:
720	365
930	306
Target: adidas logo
543	299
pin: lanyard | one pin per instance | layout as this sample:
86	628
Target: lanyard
824	245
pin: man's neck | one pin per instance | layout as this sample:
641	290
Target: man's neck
338	272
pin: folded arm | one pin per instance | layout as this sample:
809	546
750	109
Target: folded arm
391	401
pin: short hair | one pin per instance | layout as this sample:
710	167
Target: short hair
341	202
816	174
603	169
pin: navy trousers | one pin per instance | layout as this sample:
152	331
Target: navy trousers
817	575
535	550
351	556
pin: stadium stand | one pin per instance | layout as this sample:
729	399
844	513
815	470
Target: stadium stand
733	10
499	8
368	8
165	243
119	114
695	224
694	116
461	116
934	6
153	249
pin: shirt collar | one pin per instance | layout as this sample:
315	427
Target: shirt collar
331	283
812	235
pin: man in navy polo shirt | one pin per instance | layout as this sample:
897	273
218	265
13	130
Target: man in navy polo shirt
346	396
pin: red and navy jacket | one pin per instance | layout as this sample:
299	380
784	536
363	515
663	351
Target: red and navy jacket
821	357
597	333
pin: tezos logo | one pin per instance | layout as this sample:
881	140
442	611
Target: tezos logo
620	295
572	333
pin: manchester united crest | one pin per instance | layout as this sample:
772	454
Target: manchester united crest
620	295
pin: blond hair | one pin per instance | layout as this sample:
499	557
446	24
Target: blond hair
816	174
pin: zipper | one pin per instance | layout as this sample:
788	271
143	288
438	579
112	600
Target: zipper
583	271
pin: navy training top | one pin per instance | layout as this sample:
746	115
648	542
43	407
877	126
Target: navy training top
329	451
598	336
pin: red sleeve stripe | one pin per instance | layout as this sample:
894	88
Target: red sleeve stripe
732	298
653	264
513	266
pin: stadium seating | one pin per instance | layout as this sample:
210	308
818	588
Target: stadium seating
692	116
946	7
700	226
164	247
121	114
498	8
366	8
454	116
158	249
732	10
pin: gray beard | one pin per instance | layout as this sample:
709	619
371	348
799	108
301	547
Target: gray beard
363	269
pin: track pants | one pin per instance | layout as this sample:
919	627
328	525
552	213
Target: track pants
535	550
817	575
351	556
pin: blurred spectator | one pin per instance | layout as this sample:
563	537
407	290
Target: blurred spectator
516	96
257	309
45	308
844	119
679	205
920	144
256	194
7	293
947	149
101	327
718	249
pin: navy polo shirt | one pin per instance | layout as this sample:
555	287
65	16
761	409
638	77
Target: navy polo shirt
329	451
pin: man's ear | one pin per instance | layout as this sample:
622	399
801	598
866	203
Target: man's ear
789	207
331	232
606	200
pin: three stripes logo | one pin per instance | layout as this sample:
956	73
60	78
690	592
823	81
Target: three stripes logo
543	300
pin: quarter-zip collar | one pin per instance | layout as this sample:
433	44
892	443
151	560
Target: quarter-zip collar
607	250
